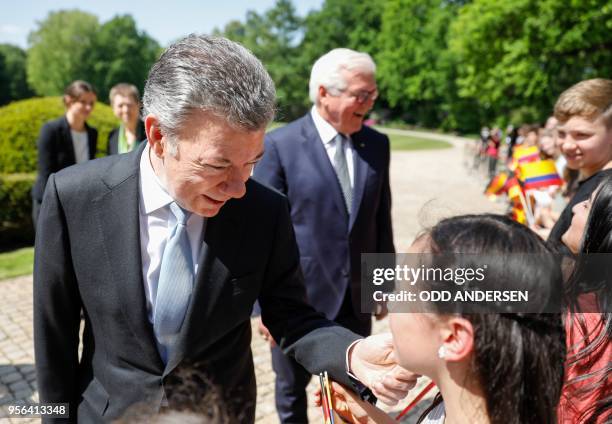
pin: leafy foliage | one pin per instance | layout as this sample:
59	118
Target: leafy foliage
20	124
520	54
451	64
13	83
272	37
70	45
120	53
59	49
16	208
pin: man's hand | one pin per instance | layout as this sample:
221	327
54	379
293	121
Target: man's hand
265	333
372	360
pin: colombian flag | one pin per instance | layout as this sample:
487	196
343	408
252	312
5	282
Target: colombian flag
524	154
542	173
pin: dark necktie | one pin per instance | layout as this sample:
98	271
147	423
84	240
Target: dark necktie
341	167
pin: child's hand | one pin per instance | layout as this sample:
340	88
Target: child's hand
347	404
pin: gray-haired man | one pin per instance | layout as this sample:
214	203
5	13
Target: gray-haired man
335	173
208	242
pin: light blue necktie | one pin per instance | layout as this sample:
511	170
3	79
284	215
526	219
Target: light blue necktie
174	286
341	167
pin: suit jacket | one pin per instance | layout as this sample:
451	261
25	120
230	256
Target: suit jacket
56	152
112	148
87	258
330	242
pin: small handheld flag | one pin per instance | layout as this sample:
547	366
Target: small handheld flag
542	173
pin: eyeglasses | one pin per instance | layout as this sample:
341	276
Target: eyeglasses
362	96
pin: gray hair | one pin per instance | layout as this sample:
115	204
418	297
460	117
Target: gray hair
124	89
210	74
327	70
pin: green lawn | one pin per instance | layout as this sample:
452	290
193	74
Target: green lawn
405	142
17	262
398	142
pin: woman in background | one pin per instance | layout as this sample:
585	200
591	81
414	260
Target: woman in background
125	101
67	140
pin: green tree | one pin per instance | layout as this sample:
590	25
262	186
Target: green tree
518	55
13	83
416	70
58	51
273	37
120	53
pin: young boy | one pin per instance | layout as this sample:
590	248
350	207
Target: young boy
584	135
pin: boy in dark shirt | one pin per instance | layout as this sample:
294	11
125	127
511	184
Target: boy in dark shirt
584	136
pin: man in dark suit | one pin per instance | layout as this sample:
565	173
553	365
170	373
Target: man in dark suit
209	242
335	173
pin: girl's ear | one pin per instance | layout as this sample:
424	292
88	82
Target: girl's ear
457	339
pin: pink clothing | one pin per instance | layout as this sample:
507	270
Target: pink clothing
575	403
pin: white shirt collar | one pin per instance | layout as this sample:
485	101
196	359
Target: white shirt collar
324	128
153	195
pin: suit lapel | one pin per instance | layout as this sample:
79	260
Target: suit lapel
91	142
360	174
221	239
118	215
313	144
67	140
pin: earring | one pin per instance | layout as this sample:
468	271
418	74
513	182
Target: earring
441	352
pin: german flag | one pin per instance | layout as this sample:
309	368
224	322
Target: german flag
514	190
496	186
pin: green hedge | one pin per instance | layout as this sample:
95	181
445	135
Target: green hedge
20	124
16	208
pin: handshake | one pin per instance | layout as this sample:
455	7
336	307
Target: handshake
373	363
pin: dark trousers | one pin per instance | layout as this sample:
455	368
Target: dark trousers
292	378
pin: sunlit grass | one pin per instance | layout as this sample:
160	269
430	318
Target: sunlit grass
16	262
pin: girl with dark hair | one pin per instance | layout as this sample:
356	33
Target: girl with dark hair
587	394
489	367
66	140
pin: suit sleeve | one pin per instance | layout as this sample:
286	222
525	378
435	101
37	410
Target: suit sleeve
57	305
47	155
315	342
383	216
269	170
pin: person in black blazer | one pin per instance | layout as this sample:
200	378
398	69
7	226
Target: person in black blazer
107	228
332	229
65	141
125	101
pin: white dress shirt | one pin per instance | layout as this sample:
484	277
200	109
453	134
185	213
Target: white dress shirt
80	143
156	224
327	134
